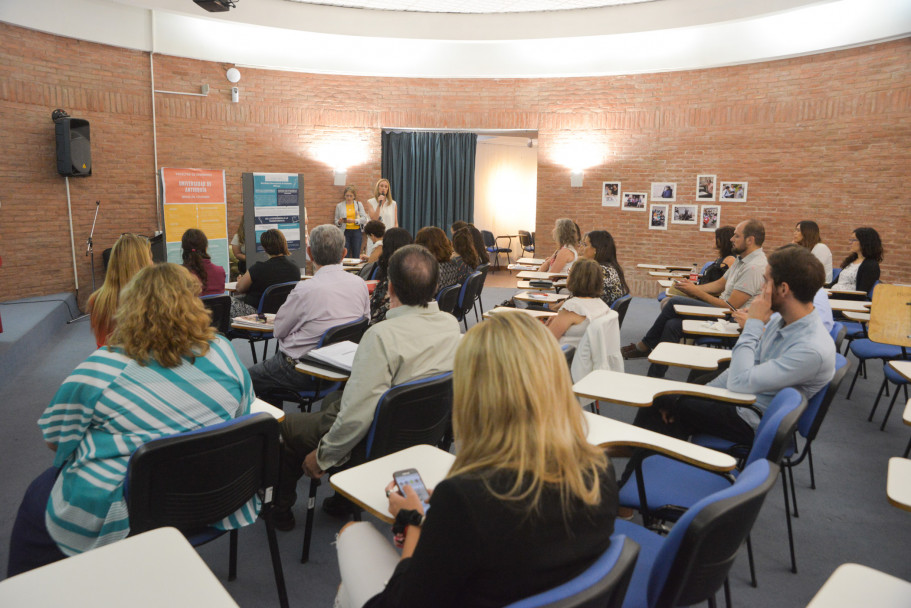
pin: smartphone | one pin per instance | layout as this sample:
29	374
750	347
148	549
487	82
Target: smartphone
411	477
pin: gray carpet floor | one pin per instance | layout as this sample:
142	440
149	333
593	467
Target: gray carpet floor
846	519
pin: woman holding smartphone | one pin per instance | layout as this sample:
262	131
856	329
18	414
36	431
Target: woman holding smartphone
527	505
351	218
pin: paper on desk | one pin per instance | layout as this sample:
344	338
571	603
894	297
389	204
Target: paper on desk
723	326
340	354
254	321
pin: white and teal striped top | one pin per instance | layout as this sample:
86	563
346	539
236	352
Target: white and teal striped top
106	409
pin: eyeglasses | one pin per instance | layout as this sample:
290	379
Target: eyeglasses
852	240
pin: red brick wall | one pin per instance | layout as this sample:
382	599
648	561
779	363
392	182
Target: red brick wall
826	137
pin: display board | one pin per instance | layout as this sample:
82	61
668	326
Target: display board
274	200
195	198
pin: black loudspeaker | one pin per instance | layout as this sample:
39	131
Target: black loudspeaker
74	153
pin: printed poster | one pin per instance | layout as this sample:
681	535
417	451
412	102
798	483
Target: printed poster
275	205
195	198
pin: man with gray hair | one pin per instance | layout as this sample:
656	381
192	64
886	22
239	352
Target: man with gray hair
332	297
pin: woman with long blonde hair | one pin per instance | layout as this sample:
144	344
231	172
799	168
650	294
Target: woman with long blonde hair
165	371
566	233
528	503
130	254
382	207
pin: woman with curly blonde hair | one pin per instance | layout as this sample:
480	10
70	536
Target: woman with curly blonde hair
130	254
164	371
528	503
566	233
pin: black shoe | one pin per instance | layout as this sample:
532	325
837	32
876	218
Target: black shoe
339	506
283	520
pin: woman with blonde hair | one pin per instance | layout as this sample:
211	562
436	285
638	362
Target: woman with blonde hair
164	371
130	254
566	233
381	207
586	283
528	503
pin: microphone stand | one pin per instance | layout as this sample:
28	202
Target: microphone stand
90	251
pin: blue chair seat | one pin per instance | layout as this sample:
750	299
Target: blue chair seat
649	544
664	485
868	349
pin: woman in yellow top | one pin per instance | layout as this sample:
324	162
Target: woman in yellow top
351	218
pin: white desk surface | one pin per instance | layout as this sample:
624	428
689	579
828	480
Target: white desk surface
534	274
519	266
664	266
528	285
707	328
903	368
898	484
853	585
666	274
863	317
665	283
534	261
844	292
351	261
319	372
231	286
853	305
607	431
261	406
366	484
534	313
689	356
640	391
541	297
701	311
150	570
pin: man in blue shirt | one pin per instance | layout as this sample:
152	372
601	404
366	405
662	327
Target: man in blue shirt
794	350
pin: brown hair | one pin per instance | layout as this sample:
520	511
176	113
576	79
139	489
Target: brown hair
463	245
566	232
809	234
435	240
273	241
586	279
194	244
161	317
800	269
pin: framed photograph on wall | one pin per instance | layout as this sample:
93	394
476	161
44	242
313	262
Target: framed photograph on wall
685	214
710	218
635	201
664	191
657	217
610	194
705	187
733	191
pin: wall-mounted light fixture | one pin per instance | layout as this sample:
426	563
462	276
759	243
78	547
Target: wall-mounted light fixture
233	75
341	177
575	178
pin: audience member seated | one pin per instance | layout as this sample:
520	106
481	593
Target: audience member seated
164	371
478	239
452	270
736	289
239	246
381	207
130	254
374	231
566	233
806	234
416	340
860	270
393	239
196	259
725	259
599	245
332	297
464	248
527	505
586	283
279	268
794	350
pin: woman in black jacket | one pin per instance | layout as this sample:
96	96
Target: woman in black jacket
860	270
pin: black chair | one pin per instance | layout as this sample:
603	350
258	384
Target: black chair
601	585
366	272
448	298
483	269
220	307
527	242
621	305
193	479
467	296
490	243
271	300
408	414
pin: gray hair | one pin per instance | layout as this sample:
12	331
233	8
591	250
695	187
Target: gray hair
326	245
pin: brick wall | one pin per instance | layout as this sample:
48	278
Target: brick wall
825	137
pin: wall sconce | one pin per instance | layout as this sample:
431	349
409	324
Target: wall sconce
341	177
575	178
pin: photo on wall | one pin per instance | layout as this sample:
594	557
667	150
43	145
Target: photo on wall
657	217
685	214
705	187
736	191
610	194
634	201
664	191
710	218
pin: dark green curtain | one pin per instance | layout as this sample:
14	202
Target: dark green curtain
432	177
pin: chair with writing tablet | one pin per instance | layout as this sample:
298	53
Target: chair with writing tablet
483	269
220	307
413	413
527	242
621	305
271	300
448	298
467	296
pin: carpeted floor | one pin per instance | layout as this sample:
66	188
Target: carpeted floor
846	519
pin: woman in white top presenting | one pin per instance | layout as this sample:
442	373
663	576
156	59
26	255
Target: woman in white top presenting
381	207
806	234
567	237
586	282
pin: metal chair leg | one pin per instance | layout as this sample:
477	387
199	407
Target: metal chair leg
907	449
790	473
232	555
253	351
878	397
266	514
810	459
308	526
753	582
727	592
787	515
854	381
882	427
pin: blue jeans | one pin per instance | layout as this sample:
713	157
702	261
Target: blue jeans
353	240
30	544
668	327
274	376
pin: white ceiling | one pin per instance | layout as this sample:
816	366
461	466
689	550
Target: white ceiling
472	6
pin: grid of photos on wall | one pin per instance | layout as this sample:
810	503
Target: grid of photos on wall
706	216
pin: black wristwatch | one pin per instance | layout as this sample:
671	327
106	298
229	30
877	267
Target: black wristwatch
405	518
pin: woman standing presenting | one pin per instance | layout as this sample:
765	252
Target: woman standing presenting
381	207
350	217
528	503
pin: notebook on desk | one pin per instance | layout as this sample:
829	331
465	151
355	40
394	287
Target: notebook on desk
338	357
